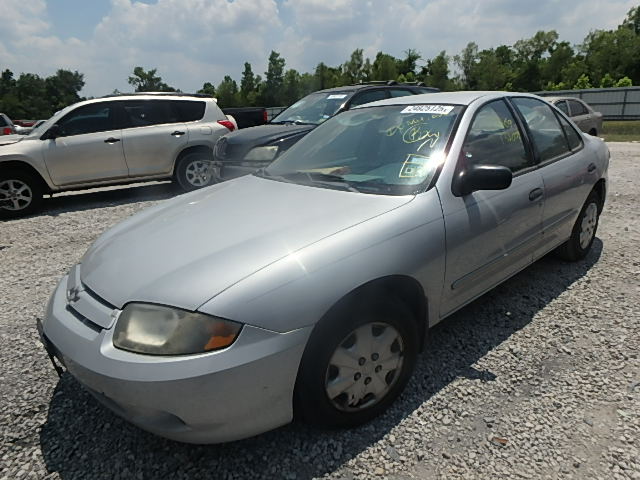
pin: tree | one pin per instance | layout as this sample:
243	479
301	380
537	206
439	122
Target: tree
624	82
208	89
291	87
408	63
63	88
607	81
228	92
384	67
147	81
248	86
353	69
466	62
632	22
437	71
271	94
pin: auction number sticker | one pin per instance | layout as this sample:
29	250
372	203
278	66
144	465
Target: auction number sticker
434	109
333	97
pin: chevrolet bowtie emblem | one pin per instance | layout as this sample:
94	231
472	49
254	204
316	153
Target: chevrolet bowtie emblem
73	294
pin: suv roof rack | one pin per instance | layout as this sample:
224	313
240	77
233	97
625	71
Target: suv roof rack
160	94
390	82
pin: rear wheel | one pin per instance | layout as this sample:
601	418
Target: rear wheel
356	365
584	231
196	170
20	194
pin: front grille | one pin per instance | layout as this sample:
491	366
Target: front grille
98	298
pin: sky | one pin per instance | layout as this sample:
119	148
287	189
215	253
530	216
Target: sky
195	41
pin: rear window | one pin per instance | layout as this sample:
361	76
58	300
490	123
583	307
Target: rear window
188	110
3	122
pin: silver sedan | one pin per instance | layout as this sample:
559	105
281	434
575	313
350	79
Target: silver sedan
309	287
585	117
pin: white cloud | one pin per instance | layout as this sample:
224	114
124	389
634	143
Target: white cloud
193	41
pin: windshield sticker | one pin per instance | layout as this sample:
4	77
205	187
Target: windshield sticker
414	166
335	97
414	131
439	109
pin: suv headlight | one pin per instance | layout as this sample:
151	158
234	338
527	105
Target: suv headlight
262	153
157	330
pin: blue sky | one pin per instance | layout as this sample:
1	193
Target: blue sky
195	41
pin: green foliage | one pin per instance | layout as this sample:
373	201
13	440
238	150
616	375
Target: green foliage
208	89
384	67
624	82
582	83
272	91
227	92
147	81
607	81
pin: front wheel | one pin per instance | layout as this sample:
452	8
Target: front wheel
584	231
196	170
356	365
20	194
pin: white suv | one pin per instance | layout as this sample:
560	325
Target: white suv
112	140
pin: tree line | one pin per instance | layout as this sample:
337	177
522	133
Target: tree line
606	58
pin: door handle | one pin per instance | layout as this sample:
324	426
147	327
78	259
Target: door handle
591	168
535	194
177	133
111	140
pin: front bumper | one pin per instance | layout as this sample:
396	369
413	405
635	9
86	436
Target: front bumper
214	397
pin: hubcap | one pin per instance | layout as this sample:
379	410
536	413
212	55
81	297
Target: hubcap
15	195
588	226
200	172
364	367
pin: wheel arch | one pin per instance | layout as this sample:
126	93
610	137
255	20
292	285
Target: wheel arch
19	165
600	188
206	149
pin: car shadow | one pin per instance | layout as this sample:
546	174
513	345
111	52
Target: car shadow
81	439
80	200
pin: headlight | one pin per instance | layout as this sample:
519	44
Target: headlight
262	153
158	330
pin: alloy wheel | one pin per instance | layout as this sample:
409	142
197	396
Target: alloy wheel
15	195
200	172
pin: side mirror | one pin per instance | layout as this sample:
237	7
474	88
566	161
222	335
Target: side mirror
482	177
54	132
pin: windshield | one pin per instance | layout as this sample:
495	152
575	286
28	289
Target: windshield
313	109
388	150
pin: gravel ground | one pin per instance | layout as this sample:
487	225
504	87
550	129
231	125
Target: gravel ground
538	379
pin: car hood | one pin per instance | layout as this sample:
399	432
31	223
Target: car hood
189	249
235	145
9	139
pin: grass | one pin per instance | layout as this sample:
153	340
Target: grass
621	131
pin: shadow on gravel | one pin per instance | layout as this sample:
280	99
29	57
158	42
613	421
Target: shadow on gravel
82	440
106	197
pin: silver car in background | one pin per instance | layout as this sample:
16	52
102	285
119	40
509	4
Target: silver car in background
585	117
309	287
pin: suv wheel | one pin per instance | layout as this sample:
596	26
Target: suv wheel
196	170
20	194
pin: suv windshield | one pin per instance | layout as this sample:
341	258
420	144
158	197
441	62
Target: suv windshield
313	109
390	150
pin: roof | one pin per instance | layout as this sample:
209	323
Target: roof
455	98
360	86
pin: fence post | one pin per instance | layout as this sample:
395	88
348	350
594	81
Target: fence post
624	103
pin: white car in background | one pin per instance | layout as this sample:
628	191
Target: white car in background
112	140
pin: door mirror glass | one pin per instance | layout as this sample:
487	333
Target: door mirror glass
483	177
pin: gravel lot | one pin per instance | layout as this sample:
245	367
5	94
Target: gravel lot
538	379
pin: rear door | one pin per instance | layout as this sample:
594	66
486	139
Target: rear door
152	136
580	115
564	166
89	148
491	234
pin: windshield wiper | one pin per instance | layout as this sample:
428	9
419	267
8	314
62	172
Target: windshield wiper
292	122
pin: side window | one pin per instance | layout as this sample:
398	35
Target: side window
397	92
188	110
562	105
3	122
144	113
494	139
575	141
93	118
543	124
368	97
577	108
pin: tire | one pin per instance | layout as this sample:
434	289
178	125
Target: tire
20	194
195	170
584	231
342	338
